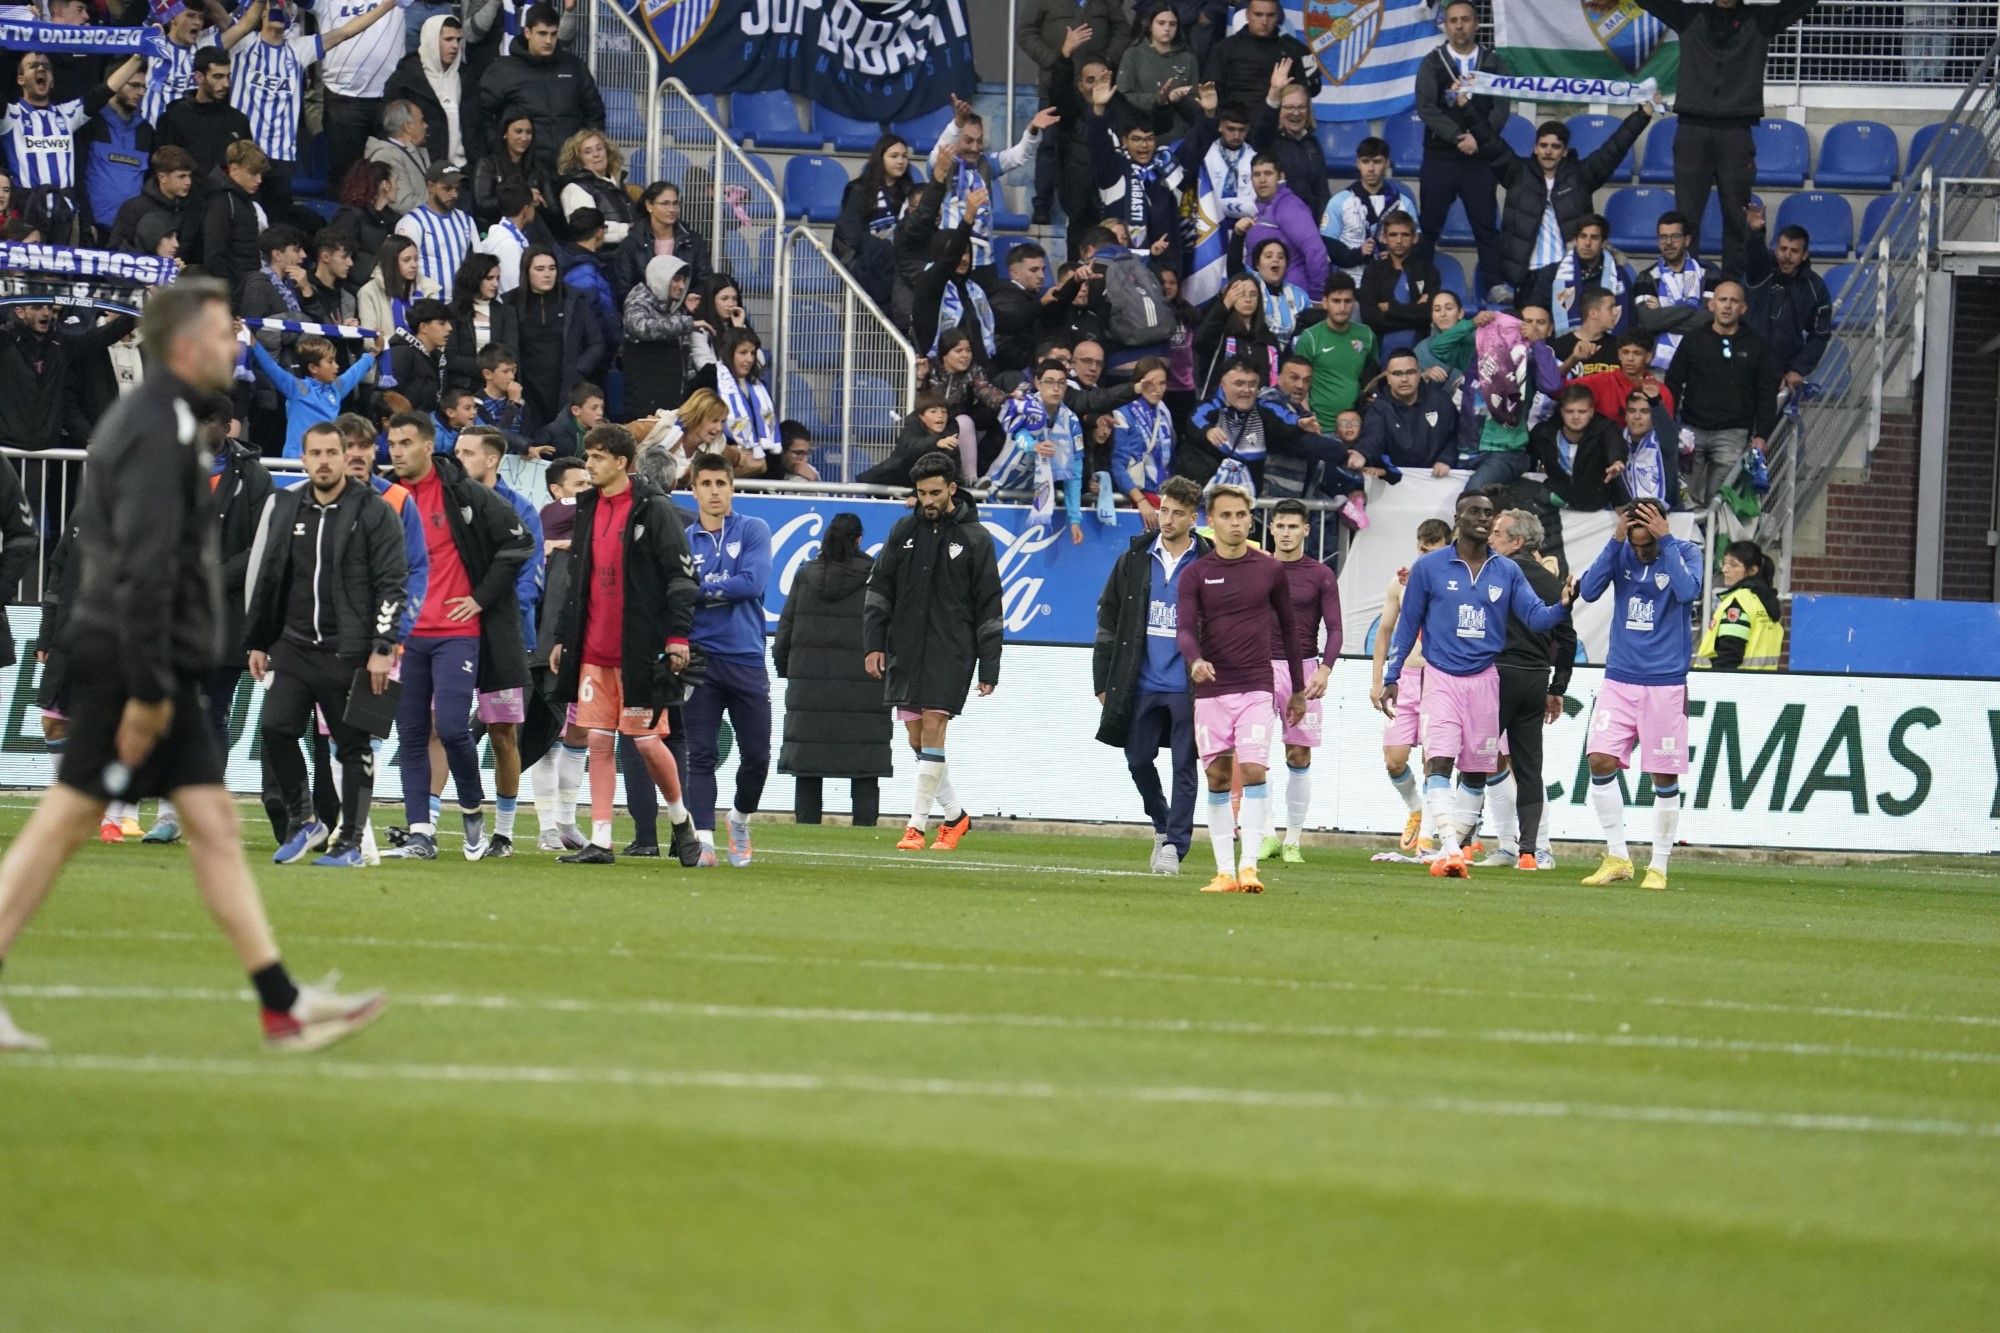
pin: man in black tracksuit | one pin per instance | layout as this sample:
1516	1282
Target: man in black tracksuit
932	616
1453	168
1530	698
1550	177
330	573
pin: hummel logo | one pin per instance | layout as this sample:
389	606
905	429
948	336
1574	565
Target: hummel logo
1214	583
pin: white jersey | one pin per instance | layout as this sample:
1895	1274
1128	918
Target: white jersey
172	77
361	65
506	243
443	241
267	83
41	143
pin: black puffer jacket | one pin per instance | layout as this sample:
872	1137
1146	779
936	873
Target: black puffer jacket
557	91
1529	193
934	609
1721	77
660	593
835	725
1121	633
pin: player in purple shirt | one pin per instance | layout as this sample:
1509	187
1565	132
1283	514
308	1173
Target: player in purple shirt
1315	605
1234	604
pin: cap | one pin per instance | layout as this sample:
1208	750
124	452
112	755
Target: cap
443	173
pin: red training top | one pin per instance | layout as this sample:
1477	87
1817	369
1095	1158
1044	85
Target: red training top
1315	605
449	581
604	620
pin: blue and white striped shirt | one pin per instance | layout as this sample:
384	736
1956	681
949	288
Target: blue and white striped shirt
172	78
266	83
41	143
443	241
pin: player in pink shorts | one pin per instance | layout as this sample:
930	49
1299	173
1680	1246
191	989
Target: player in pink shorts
1655	579
1315	607
1404	731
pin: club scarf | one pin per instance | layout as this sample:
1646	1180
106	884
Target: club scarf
1153	428
884	220
1282	306
965	178
1567	280
1681	287
752	422
83	39
951	313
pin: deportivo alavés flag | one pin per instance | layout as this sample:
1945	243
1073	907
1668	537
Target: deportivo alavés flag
1572	40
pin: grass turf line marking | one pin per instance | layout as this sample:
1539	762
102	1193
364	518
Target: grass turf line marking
1061	1023
739	1081
1039	970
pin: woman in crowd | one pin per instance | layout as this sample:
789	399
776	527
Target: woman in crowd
1235	326
385	299
690	429
514	158
719	308
1157	57
864	237
835	725
659	233
1180	348
1142	442
658	327
1285	302
591	171
737	377
960	382
560	346
478	317
366	218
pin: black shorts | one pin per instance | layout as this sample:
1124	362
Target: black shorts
186	756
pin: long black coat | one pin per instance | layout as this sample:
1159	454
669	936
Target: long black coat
934	609
17	545
835	725
1529	192
1121	634
660	592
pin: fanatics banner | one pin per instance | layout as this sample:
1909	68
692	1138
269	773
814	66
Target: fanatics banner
92	279
868	59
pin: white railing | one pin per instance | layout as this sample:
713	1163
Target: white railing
731	195
626	64
847	370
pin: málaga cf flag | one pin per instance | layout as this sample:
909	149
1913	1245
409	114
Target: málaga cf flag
1367	52
1569	39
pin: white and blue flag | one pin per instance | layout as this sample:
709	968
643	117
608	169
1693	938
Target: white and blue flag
1367	52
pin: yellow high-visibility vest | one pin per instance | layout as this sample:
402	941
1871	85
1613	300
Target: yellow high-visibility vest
1741	615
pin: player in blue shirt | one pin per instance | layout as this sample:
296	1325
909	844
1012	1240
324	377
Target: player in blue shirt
1459	597
1656	579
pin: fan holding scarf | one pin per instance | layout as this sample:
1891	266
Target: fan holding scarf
944	297
1139	181
1045	446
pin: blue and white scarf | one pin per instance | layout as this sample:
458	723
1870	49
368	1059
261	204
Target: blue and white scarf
1681	287
1155	428
1283	307
1645	469
285	292
71	262
751	422
965	178
1163	170
1021	468
82	39
951	313
1609	278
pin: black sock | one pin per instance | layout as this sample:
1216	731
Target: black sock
275	988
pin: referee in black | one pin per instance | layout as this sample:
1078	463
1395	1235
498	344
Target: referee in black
1530	695
328	582
145	627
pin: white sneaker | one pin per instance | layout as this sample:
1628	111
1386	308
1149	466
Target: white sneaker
13	1039
1500	858
550	841
1166	861
1544	859
321	1017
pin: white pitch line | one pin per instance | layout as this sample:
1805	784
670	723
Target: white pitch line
742	1081
1063	1023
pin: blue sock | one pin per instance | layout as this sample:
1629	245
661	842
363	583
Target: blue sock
1670	790
503	820
437	808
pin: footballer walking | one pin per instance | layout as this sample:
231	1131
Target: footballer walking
1315	595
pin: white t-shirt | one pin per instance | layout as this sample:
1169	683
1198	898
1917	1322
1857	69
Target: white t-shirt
360	66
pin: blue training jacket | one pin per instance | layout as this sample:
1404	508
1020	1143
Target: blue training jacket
1464	619
733	567
528	583
1652	621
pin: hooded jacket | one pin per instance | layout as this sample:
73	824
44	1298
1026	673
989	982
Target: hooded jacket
656	329
1529	192
149	202
442	94
586	273
370	570
1287	217
660	592
556	90
229	231
1240	65
1120	650
934	609
835	725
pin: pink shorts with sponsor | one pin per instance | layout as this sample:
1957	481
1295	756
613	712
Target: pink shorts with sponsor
502	706
1406	728
1653	717
1462	719
1242	722
1307	732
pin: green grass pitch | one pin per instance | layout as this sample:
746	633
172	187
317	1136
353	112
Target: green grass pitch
1023	1087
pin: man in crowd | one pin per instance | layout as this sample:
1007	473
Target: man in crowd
1671	295
443	231
1234	429
1586	265
932	620
355	75
1234	611
1655	578
1017	303
172	76
1549	191
1454	170
169	182
326	599
1534	672
1634	374
204	122
1240	64
1354	218
1652	450
1583	457
41	134
962	165
554	86
1283	216
401	149
1414	425
1588	348
1790	306
1726	385
112	149
1315	600
732	562
1062	36
1341	351
1140	678
1284	131
1459	599
1397	287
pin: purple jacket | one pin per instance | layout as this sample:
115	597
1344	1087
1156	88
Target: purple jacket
1285	217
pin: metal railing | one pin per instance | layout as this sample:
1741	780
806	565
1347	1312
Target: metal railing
727	192
846	371
1939	44
626	64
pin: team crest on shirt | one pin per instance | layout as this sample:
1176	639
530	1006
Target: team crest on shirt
1431	418
1493	593
1660	582
638	532
735	549
465	512
954	549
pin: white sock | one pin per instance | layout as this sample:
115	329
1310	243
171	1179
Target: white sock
368	848
1405	784
1609	804
1222	832
1666	823
600	833
165	814
947	796
1467	804
1298	800
930	772
570	761
1250	818
1501	806
503	815
1437	810
677	813
542	789
706	837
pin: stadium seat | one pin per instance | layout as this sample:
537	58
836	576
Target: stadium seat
1589	133
1451	276
1827	218
922	131
1893	215
1634	214
1853	288
1656	154
673	165
761	165
614	393
1006	217
326	208
812	273
1856	155
1457	231
750	268
1961	153
813	187
769	120
1338	140
1004	245
1405	133
818	347
878	406
1784	152
802	405
844	133
311	174
623	120
1711	224
1519	132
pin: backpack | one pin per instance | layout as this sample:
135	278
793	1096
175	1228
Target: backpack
1140	315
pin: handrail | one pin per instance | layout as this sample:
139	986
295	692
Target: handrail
675	97
643	40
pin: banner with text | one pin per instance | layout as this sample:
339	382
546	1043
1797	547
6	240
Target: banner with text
1583	40
870	59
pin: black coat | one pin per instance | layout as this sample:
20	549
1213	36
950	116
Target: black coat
367	553
461	350
149	200
557	91
493	544
628	269
495	170
1121	634
365	229
1582	487
229	233
1444	119
1528	192
416	371
934	609
1527	650
584	351
238	497
408	83
18	545
660	593
835	725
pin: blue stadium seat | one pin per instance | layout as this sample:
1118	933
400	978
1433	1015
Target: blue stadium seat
1828	218
922	131
1961	154
1656	154
1711	224
813	317
1519	132
1856	155
752	272
326	208
310	177
846	134
813	187
1004	246
758	163
1853	288
1634	214
1005	217
1405	134
623	119
674	166
802	405
1451	276
1784	152
1893	215
769	120
1338	140
1589	133
811	273
614	394
878	406
1457	231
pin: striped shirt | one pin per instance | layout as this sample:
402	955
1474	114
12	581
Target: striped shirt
266	84
41	143
172	78
443	241
506	243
